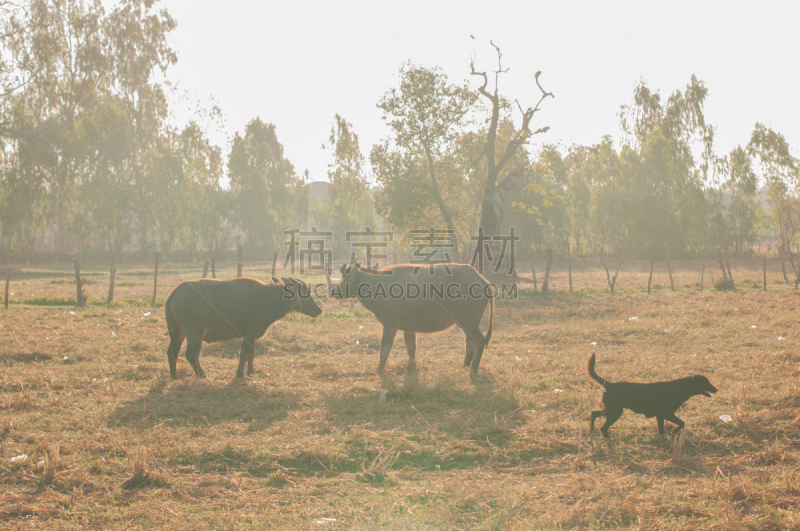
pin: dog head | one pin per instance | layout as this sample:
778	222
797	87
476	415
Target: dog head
701	386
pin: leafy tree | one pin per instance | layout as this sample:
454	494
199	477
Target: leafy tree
667	205
137	48
426	115
735	213
107	145
350	204
596	202
267	196
542	199
780	170
58	47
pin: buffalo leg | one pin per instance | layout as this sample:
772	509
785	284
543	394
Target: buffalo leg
245	356
193	356
470	353
386	346
250	370
172	353
411	347
475	337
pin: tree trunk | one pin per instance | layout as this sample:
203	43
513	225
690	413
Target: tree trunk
489	218
111	283
669	269
155	281
727	283
142	240
437	196
546	282
80	297
703	271
569	267
61	234
783	266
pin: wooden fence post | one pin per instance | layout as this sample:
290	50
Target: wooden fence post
703	271
111	276
669	268
569	267
205	268
241	254
8	279
80	296
274	262
728	263
765	272
650	279
155	282
546	282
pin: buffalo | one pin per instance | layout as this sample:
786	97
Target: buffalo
422	298
215	310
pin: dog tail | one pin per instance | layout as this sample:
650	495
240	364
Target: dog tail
592	374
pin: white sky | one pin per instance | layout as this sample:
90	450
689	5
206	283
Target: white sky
296	64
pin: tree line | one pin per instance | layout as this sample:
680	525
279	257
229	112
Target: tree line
90	162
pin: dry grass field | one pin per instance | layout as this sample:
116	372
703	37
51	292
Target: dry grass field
113	443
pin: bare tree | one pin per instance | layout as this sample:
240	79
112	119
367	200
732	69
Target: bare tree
491	208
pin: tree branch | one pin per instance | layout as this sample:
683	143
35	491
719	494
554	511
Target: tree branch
499	68
482	89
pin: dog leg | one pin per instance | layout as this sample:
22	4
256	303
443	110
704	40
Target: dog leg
612	415
595	414
675	420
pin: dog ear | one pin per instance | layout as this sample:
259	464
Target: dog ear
275	280
287	280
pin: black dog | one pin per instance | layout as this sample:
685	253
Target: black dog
659	399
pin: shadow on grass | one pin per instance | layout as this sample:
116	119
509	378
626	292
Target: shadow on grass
453	408
201	403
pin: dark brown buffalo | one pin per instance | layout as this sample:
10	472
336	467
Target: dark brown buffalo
215	310
433	298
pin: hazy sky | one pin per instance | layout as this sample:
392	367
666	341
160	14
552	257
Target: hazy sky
296	64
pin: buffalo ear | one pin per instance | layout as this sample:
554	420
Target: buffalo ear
275	280
342	269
